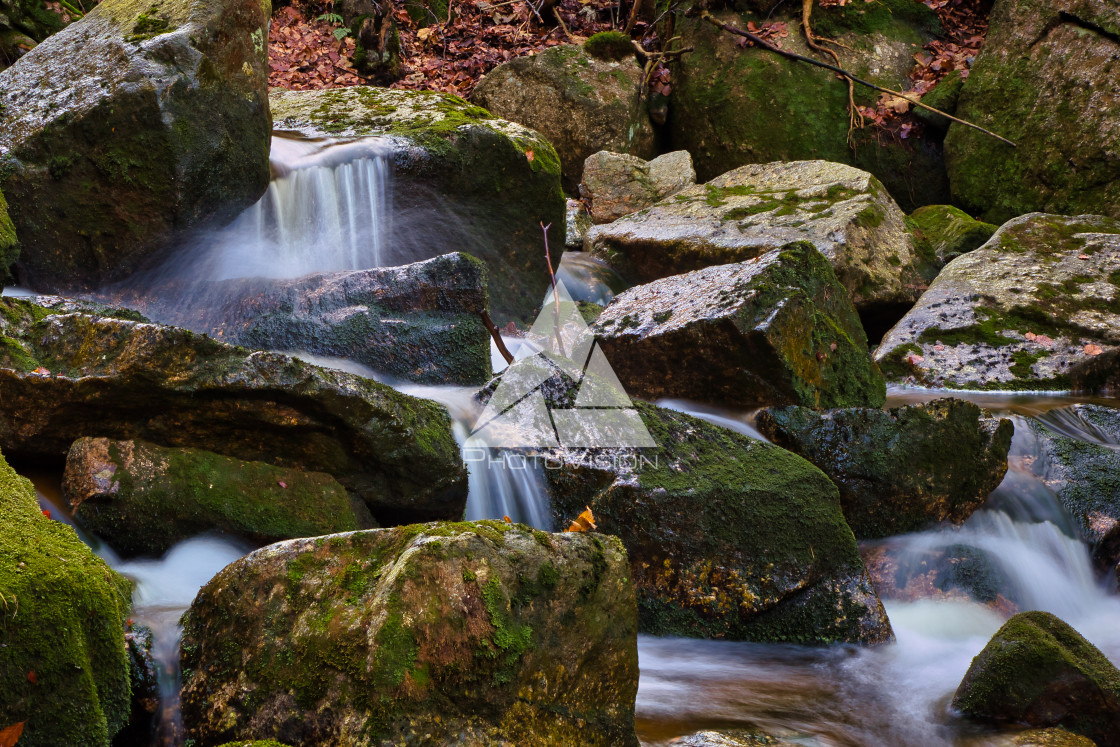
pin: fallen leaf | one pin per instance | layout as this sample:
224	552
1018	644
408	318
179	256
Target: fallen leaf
584	522
32	677
281	483
1083	256
507	520
46	513
1092	349
529	154
11	735
914	358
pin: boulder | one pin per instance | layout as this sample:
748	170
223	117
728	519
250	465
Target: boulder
941	234
8	247
129	126
580	102
65	670
471	633
578	224
1051	738
956	572
1039	671
420	322
143	721
732	738
23	24
904	469
732	106
844	212
463	179
775	330
1033	308
1047	79
1084	475
617	184
142	498
64	375
728	536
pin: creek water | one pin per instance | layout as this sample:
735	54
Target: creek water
894	695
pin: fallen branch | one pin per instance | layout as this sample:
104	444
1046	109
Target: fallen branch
496	336
841	71
555	293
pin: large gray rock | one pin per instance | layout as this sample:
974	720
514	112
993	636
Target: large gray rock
1048	79
617	184
1039	671
74	373
844	212
904	469
129	126
1033	308
581	103
463	179
775	330
437	634
420	322
142	498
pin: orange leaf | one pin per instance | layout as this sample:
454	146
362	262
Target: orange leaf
914	358
1092	349
529	154
32	677
1083	256
584	522
507	520
11	735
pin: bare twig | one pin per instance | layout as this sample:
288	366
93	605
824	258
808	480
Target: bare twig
800	58
496	336
555	293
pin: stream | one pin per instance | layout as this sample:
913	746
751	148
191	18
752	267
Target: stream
894	695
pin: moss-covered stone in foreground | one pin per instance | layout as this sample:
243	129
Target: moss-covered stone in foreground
63	664
1037	670
443	634
142	498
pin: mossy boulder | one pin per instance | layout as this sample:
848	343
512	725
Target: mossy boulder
1037	670
133	124
420	322
23	24
775	330
1084	474
732	738
64	669
1047	79
844	212
941	234
733	106
582	103
1036	307
8	247
67	375
1051	738
142	498
617	184
478	633
463	179
904	469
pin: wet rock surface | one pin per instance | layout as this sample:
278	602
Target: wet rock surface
775	330
844	212
617	184
579	102
941	234
463	179
1037	670
1033	308
142	498
904	469
128	127
479	633
68	375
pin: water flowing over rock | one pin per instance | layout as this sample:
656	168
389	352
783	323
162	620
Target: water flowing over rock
142	498
941	234
471	633
463	180
68	374
732	106
1084	475
902	470
617	184
128	127
775	330
66	669
1033	308
1037	670
581	103
1048	79
844	212
728	536
420	322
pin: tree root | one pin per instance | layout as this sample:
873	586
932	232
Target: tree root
855	116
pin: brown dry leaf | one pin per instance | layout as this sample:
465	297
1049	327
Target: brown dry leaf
585	522
1092	349
914	358
11	735
1083	256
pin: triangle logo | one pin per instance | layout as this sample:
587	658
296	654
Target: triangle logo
598	415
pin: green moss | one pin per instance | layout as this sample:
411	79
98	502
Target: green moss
8	247
509	640
609	45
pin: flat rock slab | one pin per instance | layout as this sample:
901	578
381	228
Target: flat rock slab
1036	307
68	375
775	330
844	212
